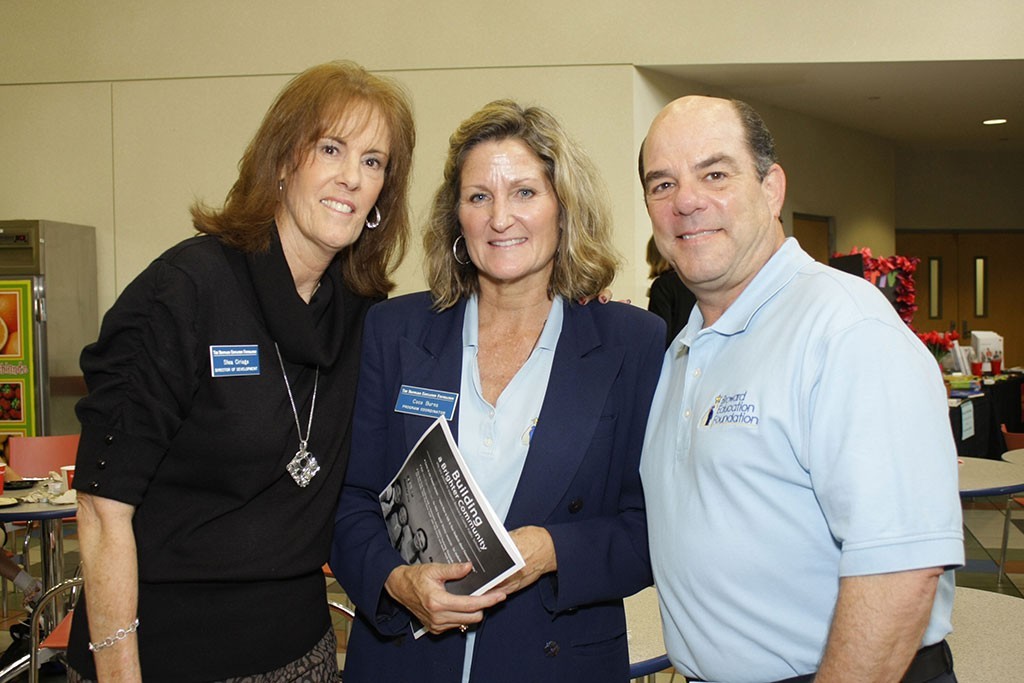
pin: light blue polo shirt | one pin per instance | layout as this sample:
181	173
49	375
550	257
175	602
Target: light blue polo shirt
803	437
494	440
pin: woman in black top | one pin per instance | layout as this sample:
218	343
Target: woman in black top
668	297
215	434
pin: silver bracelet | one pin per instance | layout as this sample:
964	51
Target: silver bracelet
120	634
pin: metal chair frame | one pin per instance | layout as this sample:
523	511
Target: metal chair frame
38	655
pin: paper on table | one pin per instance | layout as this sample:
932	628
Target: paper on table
66	498
967	420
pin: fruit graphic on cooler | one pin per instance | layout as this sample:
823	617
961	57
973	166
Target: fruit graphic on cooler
10	335
10	402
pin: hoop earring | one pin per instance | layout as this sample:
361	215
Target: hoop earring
455	252
376	220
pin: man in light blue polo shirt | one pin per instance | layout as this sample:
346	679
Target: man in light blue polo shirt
798	466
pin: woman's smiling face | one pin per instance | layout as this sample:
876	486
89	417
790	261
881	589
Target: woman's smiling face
508	212
327	198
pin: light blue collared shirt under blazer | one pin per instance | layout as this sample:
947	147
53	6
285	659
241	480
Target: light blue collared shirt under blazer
494	440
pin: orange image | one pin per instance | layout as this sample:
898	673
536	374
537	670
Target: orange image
10	335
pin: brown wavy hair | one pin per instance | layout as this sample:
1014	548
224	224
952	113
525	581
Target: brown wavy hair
308	107
585	262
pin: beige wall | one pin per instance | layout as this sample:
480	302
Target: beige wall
837	172
55	160
140	152
959	190
120	114
121	39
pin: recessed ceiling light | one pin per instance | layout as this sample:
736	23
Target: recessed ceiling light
993	122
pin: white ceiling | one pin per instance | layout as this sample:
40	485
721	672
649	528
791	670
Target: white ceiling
924	105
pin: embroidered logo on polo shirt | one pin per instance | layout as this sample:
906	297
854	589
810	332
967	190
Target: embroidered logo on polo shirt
731	410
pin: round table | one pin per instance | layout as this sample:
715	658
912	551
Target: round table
1015	457
643	630
988	636
987	477
982	477
49	517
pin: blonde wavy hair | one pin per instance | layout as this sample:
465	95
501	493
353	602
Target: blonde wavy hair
585	262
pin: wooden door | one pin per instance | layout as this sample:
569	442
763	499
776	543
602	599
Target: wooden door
1000	255
939	261
814	233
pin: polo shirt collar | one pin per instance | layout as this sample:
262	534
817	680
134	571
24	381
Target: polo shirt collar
780	269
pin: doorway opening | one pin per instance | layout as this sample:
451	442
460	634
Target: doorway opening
816	234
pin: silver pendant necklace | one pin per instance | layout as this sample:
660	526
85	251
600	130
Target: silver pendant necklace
303	467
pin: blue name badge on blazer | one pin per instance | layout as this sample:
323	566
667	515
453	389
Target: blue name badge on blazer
426	402
233	360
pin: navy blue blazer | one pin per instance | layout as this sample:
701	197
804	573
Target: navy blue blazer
580	482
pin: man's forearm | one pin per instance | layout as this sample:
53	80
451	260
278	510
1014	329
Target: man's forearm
878	625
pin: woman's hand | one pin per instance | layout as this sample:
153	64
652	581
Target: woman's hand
421	589
604	296
538	550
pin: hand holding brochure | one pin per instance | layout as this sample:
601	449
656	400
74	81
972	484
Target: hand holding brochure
435	512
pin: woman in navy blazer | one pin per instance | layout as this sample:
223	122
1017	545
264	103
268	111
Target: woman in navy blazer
552	404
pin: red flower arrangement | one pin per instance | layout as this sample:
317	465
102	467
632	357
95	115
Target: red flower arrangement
899	270
939	343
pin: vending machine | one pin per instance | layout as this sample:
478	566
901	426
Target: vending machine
48	312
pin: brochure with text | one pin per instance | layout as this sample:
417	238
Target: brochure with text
435	512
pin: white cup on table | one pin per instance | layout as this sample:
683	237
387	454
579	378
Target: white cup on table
67	474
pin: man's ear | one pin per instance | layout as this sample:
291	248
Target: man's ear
774	188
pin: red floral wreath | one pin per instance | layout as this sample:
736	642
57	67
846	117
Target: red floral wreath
902	267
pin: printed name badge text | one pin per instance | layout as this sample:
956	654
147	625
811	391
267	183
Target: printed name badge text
234	360
426	402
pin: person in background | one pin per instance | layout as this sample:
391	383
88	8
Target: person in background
552	402
668	297
31	588
215	433
799	467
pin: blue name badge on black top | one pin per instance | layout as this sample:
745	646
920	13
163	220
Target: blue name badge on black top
426	402
232	360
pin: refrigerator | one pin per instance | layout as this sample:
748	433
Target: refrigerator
48	312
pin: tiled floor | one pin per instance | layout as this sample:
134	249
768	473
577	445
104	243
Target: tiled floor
983	519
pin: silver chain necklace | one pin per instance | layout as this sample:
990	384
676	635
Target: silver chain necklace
303	467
